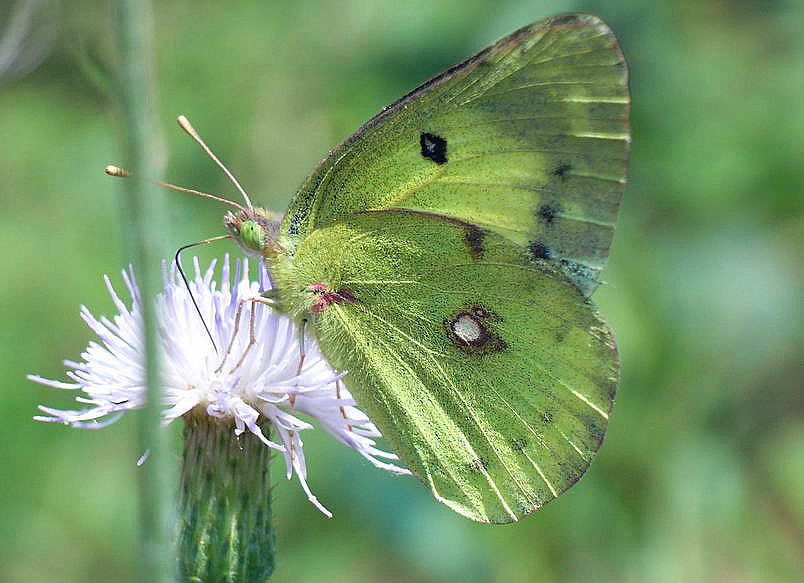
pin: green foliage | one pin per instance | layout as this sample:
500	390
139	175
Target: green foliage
700	476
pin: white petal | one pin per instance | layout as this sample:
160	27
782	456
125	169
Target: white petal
247	383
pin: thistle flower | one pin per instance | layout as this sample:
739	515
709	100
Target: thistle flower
235	381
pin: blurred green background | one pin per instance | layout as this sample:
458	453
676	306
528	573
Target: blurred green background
702	474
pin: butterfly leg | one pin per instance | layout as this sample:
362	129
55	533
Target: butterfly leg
252	338
234	335
302	328
302	355
252	335
342	410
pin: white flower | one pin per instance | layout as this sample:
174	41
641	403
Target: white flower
264	385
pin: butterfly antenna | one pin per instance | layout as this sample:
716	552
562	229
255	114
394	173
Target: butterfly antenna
177	260
119	172
184	123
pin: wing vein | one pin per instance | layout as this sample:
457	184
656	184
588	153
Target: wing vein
448	382
542	370
377	337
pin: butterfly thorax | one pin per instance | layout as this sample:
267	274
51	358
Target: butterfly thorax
308	279
254	229
298	295
256	232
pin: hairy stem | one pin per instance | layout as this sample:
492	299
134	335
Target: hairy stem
225	530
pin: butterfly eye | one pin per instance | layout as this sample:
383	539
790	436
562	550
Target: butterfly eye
252	235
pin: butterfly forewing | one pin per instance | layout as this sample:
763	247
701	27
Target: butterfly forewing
528	138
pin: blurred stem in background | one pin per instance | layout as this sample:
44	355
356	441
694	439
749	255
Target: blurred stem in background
133	31
26	35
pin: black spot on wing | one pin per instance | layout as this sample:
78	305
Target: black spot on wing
433	147
538	250
547	213
561	170
473	237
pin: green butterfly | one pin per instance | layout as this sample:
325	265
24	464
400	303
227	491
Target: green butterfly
444	256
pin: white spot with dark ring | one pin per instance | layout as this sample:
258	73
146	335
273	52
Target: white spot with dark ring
467	328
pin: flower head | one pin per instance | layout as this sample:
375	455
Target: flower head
247	380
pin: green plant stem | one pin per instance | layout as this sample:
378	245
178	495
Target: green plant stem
225	529
143	208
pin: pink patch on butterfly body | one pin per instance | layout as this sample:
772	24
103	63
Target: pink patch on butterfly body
324	297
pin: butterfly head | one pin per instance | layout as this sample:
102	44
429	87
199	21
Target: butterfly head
254	229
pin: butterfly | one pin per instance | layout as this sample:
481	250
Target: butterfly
445	253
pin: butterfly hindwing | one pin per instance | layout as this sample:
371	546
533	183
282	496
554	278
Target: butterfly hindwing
527	139
486	370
